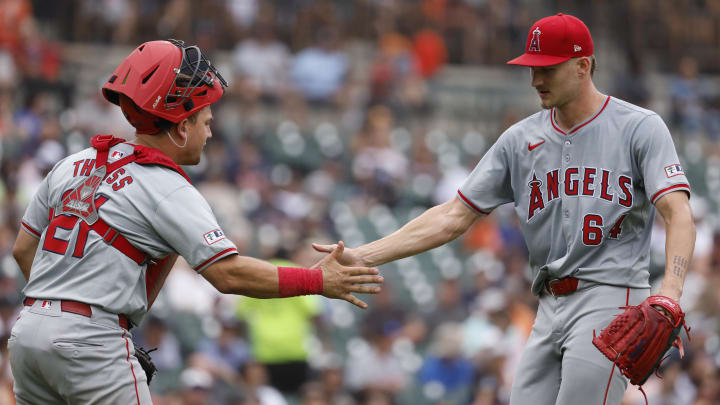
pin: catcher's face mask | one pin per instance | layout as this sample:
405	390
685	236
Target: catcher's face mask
164	79
194	72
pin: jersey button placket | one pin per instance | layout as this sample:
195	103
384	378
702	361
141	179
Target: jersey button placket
565	159
566	150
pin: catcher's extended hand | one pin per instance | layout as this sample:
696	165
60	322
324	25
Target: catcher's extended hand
637	339
146	362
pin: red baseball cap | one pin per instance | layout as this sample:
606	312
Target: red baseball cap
554	40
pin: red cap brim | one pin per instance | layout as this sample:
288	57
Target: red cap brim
537	60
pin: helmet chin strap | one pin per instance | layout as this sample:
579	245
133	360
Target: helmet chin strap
173	140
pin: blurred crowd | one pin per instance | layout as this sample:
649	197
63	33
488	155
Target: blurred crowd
332	128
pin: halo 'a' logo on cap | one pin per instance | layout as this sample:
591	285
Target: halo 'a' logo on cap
577	48
535	41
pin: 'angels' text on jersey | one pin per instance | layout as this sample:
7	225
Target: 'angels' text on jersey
577	181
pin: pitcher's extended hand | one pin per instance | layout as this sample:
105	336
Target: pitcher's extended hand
347	255
342	277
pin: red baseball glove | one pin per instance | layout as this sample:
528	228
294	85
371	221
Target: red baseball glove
637	339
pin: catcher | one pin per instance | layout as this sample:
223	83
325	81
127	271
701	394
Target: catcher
106	225
586	176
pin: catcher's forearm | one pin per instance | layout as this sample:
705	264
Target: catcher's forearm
679	244
242	275
436	226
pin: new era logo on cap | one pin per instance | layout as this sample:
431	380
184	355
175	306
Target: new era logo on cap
214	236
555	39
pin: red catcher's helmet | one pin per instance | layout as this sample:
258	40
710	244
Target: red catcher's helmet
164	79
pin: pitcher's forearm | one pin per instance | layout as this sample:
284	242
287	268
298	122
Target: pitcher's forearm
436	226
679	247
679	242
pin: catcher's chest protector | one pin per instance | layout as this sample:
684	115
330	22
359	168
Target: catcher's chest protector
82	202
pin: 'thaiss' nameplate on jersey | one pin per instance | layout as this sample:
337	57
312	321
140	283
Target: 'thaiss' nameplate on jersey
80	202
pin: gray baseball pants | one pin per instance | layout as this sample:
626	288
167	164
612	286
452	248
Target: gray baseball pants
64	358
560	365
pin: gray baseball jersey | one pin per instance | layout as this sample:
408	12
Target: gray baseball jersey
584	197
154	207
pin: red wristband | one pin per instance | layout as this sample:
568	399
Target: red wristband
294	281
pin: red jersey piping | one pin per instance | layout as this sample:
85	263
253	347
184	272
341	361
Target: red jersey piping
685	186
552	119
29	229
203	264
471	204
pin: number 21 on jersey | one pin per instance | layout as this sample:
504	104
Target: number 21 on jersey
67	222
